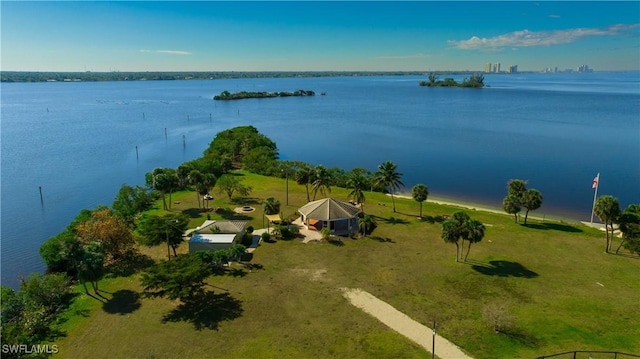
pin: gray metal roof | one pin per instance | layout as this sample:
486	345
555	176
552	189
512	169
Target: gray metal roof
229	227
329	209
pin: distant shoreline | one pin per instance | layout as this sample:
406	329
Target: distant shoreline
88	76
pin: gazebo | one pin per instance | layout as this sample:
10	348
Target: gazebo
339	216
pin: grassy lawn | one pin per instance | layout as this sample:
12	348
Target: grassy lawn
562	290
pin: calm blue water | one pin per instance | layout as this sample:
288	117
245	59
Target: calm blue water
78	140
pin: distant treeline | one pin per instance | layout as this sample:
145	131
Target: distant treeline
226	95
23	76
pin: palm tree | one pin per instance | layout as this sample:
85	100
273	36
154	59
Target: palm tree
511	205
455	229
607	209
420	193
271	206
358	184
162	183
208	181
516	188
450	234
303	177
531	200
366	224
475	232
196	178
321	181
629	224
183	174
388	177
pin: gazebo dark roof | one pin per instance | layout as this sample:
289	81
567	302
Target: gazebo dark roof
329	209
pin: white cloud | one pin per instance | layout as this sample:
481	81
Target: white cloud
402	57
526	38
170	52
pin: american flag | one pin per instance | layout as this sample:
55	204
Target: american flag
595	181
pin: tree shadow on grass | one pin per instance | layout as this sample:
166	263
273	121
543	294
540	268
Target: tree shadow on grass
433	219
504	269
336	241
206	311
391	220
382	240
554	227
231	215
122	302
231	272
245	201
192	212
521	337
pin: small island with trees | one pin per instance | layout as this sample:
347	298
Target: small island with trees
475	81
226	95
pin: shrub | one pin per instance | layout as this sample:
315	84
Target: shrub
265	236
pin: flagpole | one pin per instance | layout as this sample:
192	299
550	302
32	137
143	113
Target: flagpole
595	194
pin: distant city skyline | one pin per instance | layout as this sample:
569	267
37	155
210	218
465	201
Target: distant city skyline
318	36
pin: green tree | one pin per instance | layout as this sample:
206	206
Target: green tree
230	184
220	257
475	232
303	177
28	316
516	188
57	252
531	200
196	179
161	182
321	181
433	78
182	172
513	202
182	278
358	184
630	228
261	160
420	193
366	224
607	209
325	233
271	206
167	229
130	201
208	182
456	229
511	205
388	177
450	234
91	265
237	251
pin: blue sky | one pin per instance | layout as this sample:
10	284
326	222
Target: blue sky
317	36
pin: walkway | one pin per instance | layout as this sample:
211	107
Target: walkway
402	324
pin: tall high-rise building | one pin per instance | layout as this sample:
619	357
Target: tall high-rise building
496	67
513	69
487	67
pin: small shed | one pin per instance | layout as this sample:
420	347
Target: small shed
339	216
214	235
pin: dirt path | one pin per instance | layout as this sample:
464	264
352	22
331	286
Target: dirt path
402	324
